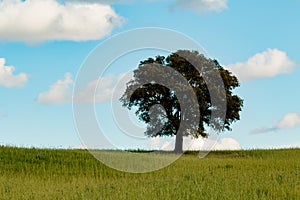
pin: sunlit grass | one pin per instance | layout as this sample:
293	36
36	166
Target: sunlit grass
76	174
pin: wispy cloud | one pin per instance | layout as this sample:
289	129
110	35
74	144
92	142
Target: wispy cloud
263	130
266	64
33	21
3	116
7	77
290	120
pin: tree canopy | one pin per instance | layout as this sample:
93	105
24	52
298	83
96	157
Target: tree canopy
182	92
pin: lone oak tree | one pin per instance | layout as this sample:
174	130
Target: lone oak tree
159	106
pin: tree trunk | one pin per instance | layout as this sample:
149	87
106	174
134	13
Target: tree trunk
178	143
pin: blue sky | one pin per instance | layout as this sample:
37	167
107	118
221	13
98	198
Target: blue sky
46	42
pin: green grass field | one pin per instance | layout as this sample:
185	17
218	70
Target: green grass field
76	174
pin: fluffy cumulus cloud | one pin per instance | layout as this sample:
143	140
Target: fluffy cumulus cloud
103	89
269	63
34	21
97	90
59	93
227	144
290	120
201	6
168	144
7	77
209	144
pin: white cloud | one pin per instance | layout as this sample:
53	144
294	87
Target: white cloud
162	143
88	93
269	63
168	144
59	93
227	144
287	146
201	6
107	88
8	79
290	120
81	146
222	144
34	21
103	1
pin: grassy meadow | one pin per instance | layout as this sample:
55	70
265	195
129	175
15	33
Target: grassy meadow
76	174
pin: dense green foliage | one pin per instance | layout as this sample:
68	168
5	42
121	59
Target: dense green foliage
75	174
189	74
